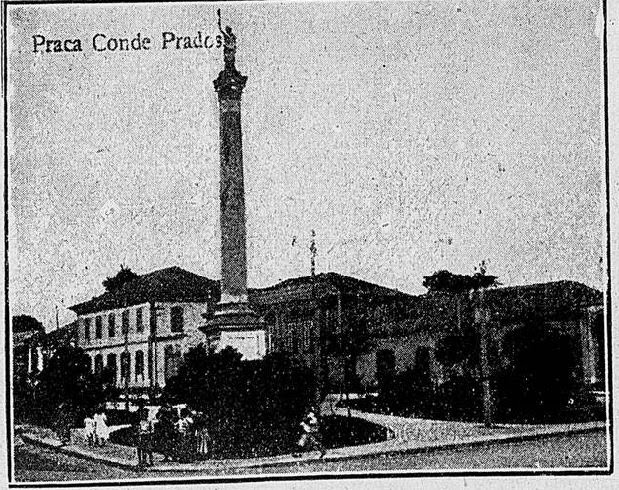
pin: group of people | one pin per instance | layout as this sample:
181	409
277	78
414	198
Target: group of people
179	437
96	429
182	437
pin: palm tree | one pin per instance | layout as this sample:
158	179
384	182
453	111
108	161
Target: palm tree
475	285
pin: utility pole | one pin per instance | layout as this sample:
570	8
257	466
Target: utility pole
482	320
313	253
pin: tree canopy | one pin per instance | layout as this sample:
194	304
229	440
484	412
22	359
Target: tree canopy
26	323
67	381
253	408
446	281
116	282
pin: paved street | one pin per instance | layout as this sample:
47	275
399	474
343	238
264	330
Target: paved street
578	450
34	463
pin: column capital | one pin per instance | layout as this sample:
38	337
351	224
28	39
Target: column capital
230	84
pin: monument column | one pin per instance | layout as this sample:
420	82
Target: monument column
234	323
229	86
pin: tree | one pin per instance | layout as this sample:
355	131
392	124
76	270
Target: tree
445	281
538	378
350	340
456	283
122	277
22	360
459	395
67	381
253	408
26	323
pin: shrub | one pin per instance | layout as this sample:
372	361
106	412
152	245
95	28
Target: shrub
411	392
538	382
253	408
459	398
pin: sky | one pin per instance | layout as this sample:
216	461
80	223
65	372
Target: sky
411	136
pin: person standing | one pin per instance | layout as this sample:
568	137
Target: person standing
184	427
202	435
89	430
102	432
166	432
64	419
144	429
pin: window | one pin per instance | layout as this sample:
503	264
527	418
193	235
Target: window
111	364
98	327
87	329
171	358
289	342
98	363
111	325
125	365
125	322
176	319
306	329
139	325
139	365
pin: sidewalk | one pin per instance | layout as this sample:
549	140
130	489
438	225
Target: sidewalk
407	436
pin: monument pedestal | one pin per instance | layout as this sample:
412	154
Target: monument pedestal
236	325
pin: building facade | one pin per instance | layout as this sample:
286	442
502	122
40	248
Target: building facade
344	328
325	320
141	331
570	313
27	335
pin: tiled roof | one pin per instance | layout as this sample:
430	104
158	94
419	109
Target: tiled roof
321	285
62	335
176	284
547	299
172	284
439	311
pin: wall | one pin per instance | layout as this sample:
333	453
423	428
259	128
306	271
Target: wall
134	341
404	349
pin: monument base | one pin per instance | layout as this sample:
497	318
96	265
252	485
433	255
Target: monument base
236	325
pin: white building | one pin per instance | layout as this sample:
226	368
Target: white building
142	329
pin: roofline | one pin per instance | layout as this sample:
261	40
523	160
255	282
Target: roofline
327	276
83	305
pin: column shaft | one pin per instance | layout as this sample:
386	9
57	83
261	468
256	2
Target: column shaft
232	205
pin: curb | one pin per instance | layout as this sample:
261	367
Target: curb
235	463
444	446
74	452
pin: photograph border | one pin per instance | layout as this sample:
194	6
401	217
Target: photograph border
278	477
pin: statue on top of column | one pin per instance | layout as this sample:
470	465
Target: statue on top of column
229	44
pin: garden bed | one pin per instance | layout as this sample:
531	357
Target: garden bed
337	431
